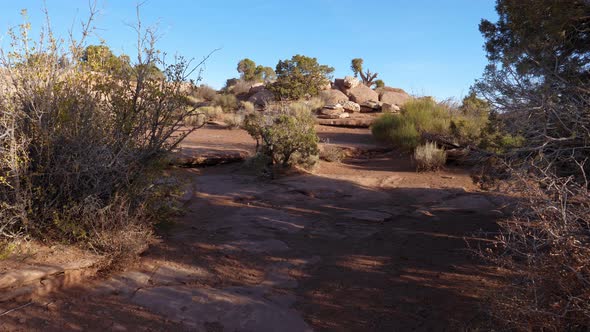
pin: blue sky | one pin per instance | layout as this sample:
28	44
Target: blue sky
427	47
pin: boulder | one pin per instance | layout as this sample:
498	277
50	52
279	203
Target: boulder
333	96
262	97
389	108
332	112
351	107
334	107
395	98
362	94
370	106
350	82
384	89
255	88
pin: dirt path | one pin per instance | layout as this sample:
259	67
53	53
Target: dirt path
363	245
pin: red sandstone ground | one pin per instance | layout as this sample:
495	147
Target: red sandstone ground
367	244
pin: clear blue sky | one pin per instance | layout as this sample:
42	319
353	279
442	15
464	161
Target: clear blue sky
428	47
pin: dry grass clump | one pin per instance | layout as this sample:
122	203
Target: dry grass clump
429	157
545	247
233	120
205	92
332	153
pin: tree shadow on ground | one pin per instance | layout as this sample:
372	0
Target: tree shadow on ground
355	259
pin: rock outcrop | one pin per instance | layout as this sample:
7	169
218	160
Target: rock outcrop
395	98
370	106
389	108
333	96
350	82
362	94
351	107
262	97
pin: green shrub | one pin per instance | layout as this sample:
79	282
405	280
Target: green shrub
424	115
429	157
281	134
227	102
300	77
396	129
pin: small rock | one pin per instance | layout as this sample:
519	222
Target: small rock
389	108
351	107
370	106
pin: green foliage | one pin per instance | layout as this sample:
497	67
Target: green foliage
396	129
283	134
379	84
227	102
356	65
300	77
100	58
332	153
251	72
247	69
429	157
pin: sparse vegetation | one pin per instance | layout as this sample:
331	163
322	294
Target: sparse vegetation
205	92
227	102
429	157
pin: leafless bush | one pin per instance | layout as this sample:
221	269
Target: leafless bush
545	247
76	145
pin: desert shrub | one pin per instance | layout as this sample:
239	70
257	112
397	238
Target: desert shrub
300	77
425	115
205	92
396	129
429	157
227	102
332	153
248	107
280	133
78	148
241	87
203	114
544	247
233	120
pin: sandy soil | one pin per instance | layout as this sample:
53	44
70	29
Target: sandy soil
367	244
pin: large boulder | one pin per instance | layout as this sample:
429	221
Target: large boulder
262	97
351	107
333	96
255	88
395	98
350	82
362	94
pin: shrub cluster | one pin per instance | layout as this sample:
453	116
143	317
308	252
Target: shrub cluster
284	135
78	148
